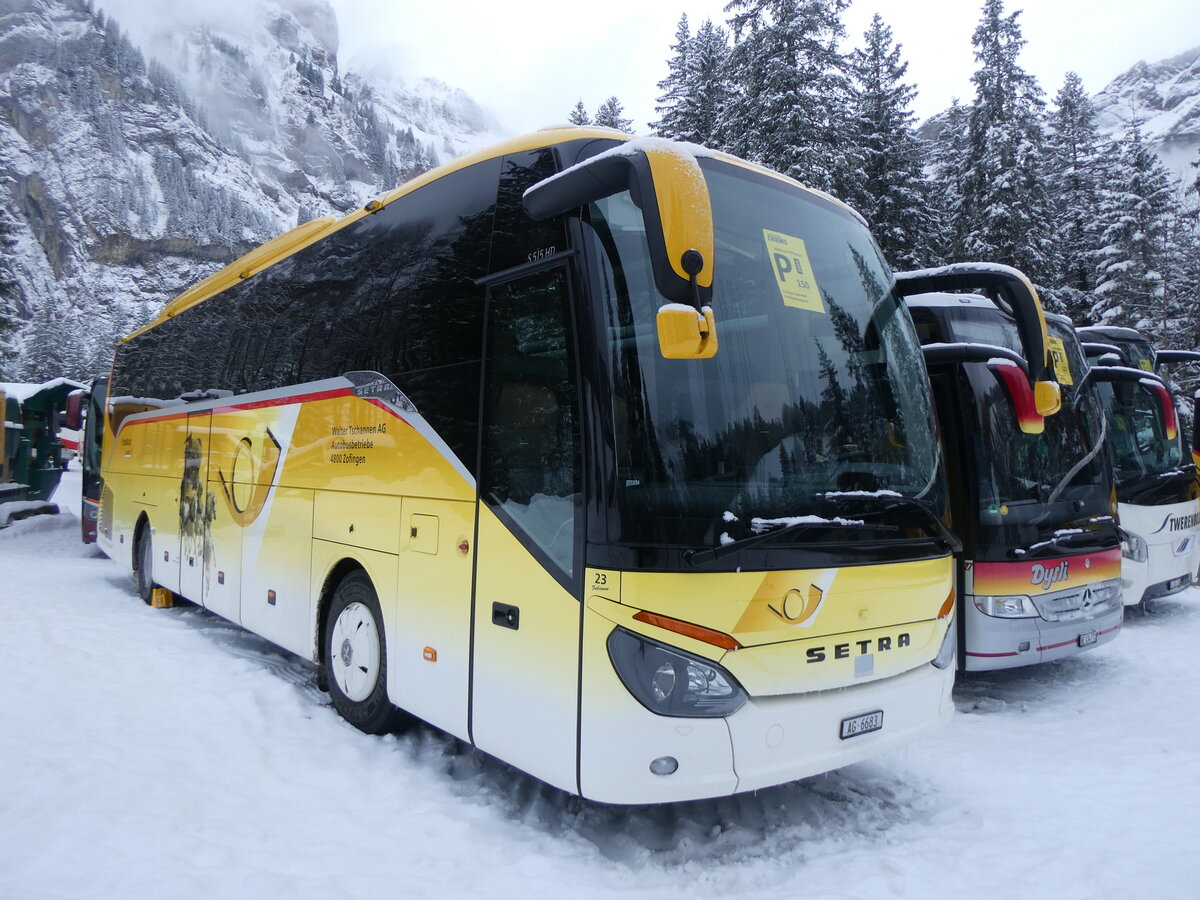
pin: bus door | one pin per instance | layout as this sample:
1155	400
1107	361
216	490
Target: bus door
195	506
526	621
234	448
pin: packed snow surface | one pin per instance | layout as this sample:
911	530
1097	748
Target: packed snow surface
167	753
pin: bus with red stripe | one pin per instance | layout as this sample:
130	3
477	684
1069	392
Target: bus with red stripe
1031	497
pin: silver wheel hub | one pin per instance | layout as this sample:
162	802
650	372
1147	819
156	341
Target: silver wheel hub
356	666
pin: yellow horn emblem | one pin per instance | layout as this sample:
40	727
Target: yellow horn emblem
246	488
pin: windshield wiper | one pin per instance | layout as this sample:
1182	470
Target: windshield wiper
893	500
1071	539
699	557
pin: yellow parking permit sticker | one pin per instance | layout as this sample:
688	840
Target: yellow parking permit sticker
1062	366
1145	365
793	274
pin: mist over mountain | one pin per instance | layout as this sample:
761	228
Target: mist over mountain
133	163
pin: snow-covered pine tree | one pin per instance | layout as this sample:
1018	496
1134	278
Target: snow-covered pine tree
1182	280
9	294
1136	212
674	86
788	106
946	158
702	90
609	115
1005	213
579	115
1076	174
890	191
708	84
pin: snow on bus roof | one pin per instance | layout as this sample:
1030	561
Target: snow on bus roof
944	299
971	268
23	391
1112	331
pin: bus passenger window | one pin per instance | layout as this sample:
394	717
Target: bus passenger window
530	465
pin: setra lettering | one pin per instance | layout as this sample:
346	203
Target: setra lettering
880	644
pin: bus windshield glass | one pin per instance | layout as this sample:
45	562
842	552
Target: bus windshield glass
817	388
1137	435
1044	479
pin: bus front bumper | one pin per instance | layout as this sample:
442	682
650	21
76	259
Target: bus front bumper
1000	643
771	740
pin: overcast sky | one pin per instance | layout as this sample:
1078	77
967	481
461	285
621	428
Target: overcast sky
530	64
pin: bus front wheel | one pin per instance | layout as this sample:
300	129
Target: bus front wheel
356	657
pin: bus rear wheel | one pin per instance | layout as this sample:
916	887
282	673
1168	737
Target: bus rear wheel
144	555
356	657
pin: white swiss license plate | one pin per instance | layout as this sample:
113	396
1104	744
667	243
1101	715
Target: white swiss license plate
1085	639
867	722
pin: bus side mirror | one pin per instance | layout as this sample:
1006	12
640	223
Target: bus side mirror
684	333
1172	357
665	180
1014	294
75	403
1047	397
1022	397
1166	403
1010	370
1196	433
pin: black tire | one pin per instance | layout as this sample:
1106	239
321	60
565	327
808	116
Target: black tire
355	657
143	555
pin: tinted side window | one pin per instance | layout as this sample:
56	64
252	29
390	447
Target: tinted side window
531	468
519	239
394	293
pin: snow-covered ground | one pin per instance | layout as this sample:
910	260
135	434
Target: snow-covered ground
166	753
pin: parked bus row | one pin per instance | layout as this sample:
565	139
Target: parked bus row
628	463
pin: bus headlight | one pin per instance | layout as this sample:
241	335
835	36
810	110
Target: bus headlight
1133	546
1007	606
670	682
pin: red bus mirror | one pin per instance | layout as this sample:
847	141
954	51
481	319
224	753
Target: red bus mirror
1009	289
1166	402
1020	394
1010	370
76	400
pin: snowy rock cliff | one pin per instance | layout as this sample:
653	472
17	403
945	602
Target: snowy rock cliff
1166	97
127	175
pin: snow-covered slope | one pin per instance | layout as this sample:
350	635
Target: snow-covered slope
1166	97
126	175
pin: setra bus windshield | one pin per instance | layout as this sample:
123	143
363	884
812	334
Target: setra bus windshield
818	387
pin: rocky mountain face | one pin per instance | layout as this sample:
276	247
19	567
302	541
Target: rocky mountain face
1166	97
1163	96
126	175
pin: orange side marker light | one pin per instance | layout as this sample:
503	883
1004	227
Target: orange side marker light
688	629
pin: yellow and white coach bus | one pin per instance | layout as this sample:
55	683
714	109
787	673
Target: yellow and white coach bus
612	457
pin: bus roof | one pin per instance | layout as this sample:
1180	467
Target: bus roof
295	240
